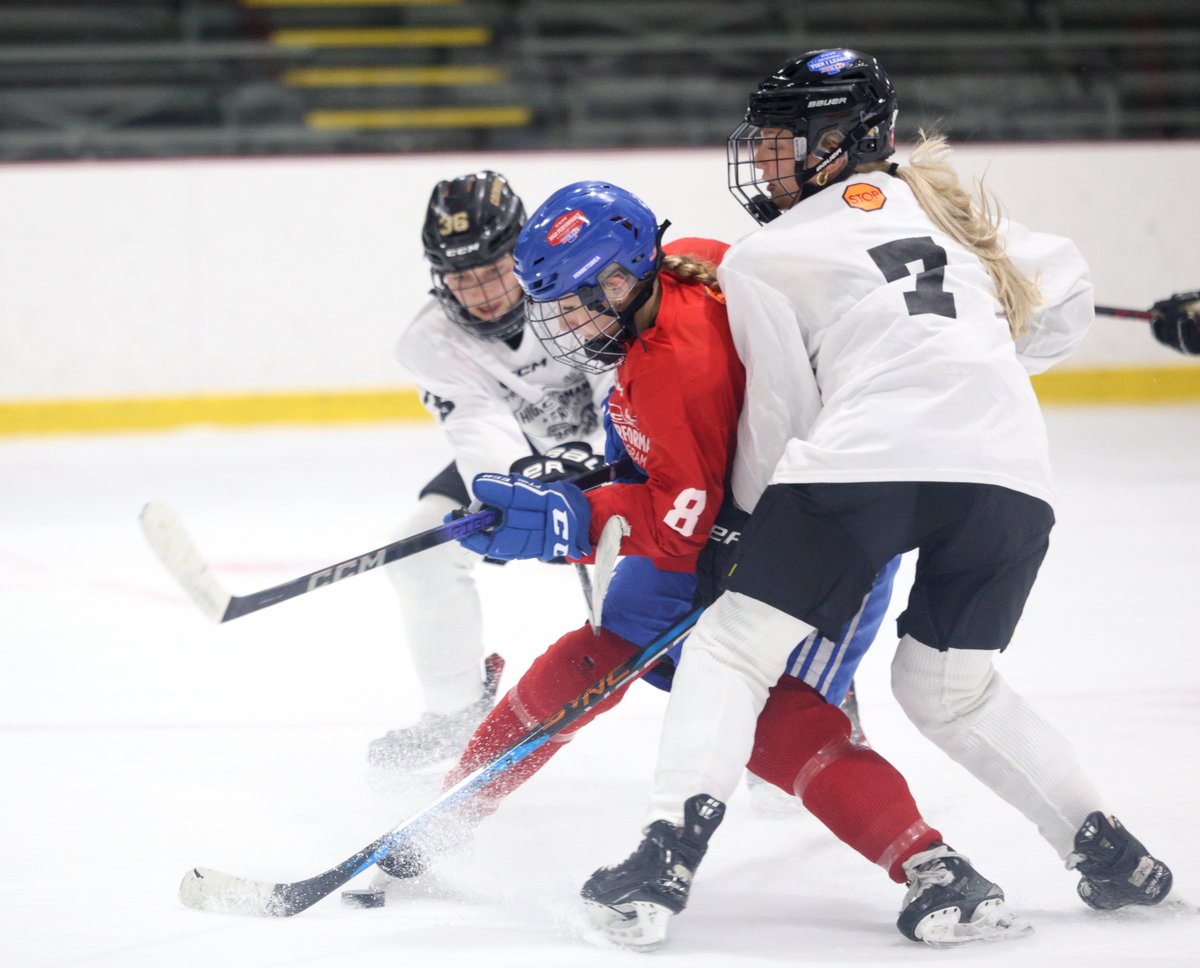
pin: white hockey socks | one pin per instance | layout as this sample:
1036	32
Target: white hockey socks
736	653
442	616
958	700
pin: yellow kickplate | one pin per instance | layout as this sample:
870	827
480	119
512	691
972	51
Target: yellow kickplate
230	410
393	76
384	37
1174	384
499	117
349	3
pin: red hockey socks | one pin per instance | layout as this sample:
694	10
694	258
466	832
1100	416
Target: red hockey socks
576	661
802	745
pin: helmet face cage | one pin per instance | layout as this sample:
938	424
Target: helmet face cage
471	227
585	329
486	300
825	105
586	260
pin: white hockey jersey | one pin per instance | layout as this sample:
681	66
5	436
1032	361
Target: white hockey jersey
495	403
875	348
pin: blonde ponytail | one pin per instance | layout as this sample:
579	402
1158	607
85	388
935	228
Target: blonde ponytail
688	268
971	220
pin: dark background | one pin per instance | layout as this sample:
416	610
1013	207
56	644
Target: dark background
161	78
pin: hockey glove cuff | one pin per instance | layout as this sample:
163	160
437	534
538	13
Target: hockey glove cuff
543	521
558	463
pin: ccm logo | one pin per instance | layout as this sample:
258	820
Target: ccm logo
864	196
346	568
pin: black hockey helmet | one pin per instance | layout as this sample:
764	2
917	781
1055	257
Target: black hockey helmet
472	221
835	103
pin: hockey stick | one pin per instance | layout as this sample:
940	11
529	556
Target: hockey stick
209	890
1187	301
180	557
1123	313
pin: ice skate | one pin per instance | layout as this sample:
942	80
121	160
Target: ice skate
1116	869
849	706
948	902
768	800
436	736
631	902
405	864
393	878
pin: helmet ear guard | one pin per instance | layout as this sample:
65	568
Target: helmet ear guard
471	222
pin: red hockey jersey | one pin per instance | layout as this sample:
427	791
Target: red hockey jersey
675	404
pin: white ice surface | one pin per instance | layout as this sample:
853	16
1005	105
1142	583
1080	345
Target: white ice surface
138	740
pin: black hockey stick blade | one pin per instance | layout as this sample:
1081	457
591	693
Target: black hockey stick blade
208	890
179	555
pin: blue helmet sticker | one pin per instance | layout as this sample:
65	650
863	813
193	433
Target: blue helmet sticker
831	61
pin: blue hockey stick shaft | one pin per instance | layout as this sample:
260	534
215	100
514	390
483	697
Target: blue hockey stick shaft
206	889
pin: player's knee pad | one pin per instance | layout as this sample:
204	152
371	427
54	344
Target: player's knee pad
748	636
798	734
567	671
937	688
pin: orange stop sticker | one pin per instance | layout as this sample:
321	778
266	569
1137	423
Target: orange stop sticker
864	196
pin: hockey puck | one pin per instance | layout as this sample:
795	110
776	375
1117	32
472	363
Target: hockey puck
369	897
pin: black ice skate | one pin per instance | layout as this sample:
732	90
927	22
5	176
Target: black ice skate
632	901
403	864
1117	870
949	903
435	736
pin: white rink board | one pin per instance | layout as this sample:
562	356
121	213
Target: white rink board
181	277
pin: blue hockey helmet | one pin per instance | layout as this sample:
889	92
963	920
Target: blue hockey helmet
586	260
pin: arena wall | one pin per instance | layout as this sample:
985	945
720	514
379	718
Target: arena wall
160	293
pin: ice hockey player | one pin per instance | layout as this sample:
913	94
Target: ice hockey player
604	295
888	328
498	396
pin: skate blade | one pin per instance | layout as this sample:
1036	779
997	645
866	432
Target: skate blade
992	921
1172	907
637	925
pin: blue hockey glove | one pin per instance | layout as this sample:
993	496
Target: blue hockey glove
544	521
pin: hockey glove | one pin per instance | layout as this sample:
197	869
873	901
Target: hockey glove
1175	322
558	463
543	521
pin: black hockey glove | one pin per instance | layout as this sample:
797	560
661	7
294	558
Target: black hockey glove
1176	322
558	463
719	555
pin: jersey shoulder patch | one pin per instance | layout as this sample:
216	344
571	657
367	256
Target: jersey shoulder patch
864	196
